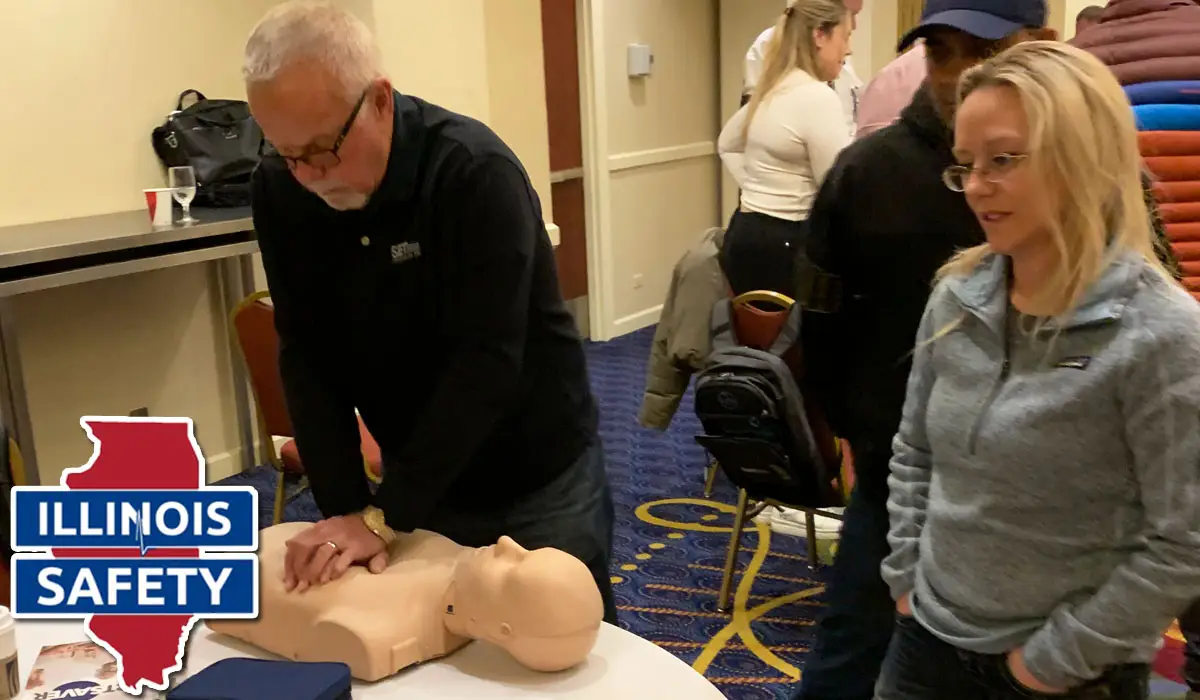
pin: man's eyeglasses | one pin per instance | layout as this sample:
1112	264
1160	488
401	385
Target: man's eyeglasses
992	171
327	158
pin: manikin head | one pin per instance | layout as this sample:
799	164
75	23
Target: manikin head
960	34
316	86
542	606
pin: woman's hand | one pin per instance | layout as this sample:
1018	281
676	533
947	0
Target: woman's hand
903	606
1021	674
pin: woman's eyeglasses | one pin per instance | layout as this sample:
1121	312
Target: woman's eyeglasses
992	171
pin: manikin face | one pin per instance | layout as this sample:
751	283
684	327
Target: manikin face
991	137
481	576
335	147
506	590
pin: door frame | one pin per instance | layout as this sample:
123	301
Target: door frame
593	113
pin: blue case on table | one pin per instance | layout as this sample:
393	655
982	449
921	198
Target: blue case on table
261	679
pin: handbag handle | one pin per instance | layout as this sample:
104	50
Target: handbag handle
199	96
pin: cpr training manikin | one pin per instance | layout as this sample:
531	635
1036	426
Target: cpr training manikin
435	596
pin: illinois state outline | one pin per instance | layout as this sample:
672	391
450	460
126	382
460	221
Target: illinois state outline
139	453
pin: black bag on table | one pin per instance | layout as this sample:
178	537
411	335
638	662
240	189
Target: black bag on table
220	139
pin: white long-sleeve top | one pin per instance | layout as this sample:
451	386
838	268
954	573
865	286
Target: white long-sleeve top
795	135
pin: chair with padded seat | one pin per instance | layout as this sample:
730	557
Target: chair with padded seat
253	322
12	473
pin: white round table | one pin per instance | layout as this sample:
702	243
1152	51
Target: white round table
622	665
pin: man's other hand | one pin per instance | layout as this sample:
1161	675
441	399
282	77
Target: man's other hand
324	552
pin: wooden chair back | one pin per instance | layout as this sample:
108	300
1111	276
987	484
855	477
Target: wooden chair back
758	317
253	322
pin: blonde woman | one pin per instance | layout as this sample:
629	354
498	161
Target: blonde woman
780	145
1043	486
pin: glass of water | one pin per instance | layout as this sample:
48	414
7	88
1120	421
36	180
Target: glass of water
183	189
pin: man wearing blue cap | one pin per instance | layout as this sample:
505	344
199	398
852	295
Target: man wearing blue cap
881	226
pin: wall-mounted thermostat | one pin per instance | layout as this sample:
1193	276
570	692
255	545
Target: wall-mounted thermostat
640	60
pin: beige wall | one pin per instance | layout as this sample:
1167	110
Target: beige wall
102	74
654	148
483	59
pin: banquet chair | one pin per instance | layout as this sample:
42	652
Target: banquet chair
757	318
253	322
13	475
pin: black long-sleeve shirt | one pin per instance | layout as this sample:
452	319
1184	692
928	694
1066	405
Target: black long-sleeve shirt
436	312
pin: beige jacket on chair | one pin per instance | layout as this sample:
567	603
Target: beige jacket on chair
681	340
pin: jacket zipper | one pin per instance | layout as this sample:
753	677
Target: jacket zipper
995	393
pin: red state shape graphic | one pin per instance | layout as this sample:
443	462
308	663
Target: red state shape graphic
139	454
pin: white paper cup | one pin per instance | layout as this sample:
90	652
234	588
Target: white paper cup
158	203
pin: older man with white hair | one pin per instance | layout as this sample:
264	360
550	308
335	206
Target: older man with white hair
414	281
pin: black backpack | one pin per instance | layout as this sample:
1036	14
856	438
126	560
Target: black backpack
220	139
754	419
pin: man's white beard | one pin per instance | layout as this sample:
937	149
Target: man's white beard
338	196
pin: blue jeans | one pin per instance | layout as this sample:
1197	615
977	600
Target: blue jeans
573	513
853	635
919	666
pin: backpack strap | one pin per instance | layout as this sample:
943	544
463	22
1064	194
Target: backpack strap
789	334
721	326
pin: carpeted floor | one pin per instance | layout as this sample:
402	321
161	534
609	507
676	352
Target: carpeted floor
670	547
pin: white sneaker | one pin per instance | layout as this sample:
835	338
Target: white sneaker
788	521
827	528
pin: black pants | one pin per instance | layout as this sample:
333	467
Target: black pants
760	252
573	513
920	666
854	633
1189	625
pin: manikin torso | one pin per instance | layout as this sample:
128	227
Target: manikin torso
432	599
375	623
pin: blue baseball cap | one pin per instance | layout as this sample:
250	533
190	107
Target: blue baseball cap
986	19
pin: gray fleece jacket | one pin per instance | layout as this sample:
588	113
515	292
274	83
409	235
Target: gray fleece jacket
1045	489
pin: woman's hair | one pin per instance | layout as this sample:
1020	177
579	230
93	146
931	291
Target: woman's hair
792	45
1083	147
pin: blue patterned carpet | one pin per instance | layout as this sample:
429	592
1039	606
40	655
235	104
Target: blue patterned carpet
670	545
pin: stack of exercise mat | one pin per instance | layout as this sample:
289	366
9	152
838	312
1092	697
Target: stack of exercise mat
1153	48
1168	116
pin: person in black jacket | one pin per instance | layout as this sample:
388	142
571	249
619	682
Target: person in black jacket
413	280
882	224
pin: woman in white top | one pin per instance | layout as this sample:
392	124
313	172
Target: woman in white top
780	145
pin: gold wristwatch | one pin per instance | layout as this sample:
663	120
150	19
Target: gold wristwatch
373	519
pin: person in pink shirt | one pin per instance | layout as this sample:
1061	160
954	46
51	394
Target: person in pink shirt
891	91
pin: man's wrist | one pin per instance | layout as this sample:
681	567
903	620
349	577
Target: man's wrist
374	520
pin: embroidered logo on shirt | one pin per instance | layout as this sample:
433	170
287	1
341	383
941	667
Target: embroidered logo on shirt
1080	362
403	252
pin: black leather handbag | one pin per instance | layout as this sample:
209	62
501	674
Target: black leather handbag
220	139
